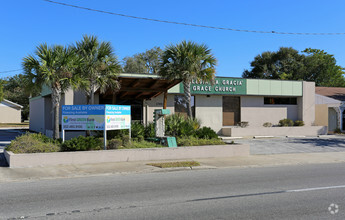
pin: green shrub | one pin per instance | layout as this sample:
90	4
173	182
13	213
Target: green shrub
267	124
177	125
173	124
206	133
193	141
114	144
33	143
125	140
140	138
117	133
142	144
285	122
193	122
150	130
337	131
137	129
82	143
298	123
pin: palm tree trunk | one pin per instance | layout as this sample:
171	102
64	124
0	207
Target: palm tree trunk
187	96
56	98
92	97
92	93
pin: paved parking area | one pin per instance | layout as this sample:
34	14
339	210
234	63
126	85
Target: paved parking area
6	136
283	145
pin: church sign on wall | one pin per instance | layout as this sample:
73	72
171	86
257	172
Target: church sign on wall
221	86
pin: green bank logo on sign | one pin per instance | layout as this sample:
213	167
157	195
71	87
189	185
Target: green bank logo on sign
220	86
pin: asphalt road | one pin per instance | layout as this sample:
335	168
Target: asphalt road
291	192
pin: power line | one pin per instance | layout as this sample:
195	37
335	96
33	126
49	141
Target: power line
8	71
187	24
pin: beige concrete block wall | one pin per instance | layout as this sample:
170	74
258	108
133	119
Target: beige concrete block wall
9	114
48	113
210	111
157	103
148	154
37	115
307	112
275	131
257	113
68	97
321	115
79	98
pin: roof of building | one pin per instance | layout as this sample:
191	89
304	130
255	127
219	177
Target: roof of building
10	104
337	93
142	86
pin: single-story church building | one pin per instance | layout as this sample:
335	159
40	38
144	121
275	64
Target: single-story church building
224	105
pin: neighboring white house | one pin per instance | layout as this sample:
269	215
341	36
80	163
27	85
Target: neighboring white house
10	112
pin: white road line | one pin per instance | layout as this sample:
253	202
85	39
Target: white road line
317	188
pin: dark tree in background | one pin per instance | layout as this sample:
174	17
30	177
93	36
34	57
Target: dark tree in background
322	68
15	90
288	64
146	62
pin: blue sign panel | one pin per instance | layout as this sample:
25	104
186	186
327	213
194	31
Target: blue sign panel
83	109
96	117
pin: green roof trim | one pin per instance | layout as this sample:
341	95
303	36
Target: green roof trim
241	86
274	87
35	98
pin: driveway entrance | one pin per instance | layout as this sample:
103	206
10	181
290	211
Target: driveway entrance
6	136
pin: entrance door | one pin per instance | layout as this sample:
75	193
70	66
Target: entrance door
231	110
332	119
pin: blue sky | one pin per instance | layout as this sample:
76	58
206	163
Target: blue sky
25	24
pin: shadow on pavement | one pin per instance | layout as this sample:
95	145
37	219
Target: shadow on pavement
3	162
318	142
6	136
10	134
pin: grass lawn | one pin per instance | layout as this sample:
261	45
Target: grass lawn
175	164
24	124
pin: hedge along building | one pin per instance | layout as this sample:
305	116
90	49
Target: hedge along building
221	105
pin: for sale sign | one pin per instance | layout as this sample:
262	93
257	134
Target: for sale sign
96	117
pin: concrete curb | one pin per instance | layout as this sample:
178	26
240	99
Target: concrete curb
125	155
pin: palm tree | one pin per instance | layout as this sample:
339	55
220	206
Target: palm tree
188	61
99	66
52	66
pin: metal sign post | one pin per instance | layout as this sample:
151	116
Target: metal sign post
105	139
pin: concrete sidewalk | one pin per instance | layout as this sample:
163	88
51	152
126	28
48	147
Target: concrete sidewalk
70	171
